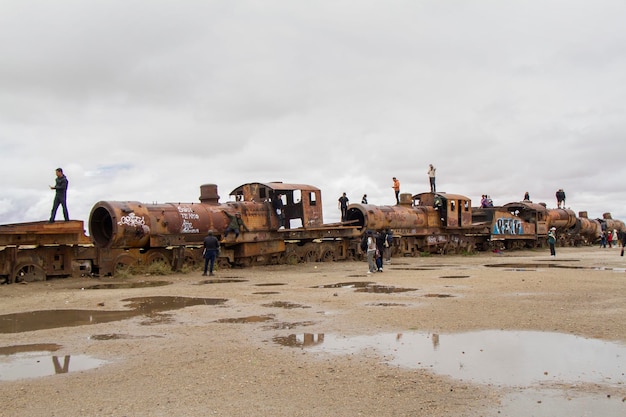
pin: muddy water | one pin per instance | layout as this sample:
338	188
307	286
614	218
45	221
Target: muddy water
52	319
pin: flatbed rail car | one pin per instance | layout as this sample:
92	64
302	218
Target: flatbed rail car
36	250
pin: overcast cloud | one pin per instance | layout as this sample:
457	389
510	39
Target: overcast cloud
146	100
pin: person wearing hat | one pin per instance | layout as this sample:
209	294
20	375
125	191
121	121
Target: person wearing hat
552	240
211	249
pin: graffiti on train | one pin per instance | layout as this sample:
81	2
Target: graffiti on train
188	215
132	220
508	226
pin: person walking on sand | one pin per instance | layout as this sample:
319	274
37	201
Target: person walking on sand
211	249
396	189
60	196
552	241
371	252
431	178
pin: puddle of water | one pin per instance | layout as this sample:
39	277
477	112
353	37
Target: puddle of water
119	336
249	319
220	281
266	292
554	403
519	358
438	295
284	325
35	347
284	304
387	305
383	289
270	284
37	364
454	276
52	319
305	340
413	269
125	285
351	284
531	266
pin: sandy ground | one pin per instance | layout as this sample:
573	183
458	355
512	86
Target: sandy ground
186	362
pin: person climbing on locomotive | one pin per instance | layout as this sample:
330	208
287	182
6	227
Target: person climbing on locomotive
234	225
278	206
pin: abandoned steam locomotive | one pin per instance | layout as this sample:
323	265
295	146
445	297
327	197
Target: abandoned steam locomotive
129	233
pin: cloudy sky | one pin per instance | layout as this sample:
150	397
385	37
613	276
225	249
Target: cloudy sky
146	100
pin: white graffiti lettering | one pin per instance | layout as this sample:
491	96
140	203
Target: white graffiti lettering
187	213
132	220
187	227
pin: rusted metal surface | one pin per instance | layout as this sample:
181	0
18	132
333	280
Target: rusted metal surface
562	219
302	203
44	233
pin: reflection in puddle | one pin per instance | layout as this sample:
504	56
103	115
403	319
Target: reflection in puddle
304	340
249	319
36	364
284	325
52	319
120	285
497	357
438	295
284	304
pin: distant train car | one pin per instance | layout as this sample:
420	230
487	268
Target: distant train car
426	222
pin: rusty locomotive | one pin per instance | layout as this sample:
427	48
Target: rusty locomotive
129	233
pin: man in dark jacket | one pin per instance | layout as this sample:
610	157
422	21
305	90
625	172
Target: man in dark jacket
211	249
60	196
560	198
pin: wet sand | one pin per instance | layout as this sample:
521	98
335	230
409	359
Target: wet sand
316	340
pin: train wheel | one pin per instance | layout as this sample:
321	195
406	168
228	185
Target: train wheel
310	256
28	272
124	262
155	257
328	256
292	258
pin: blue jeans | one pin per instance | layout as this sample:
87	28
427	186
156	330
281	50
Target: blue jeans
209	257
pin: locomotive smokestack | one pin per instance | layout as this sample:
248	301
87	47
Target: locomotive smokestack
208	194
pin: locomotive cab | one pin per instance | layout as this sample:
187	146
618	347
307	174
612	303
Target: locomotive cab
301	205
455	210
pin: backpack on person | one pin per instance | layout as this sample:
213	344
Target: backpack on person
364	244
